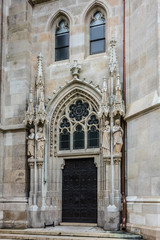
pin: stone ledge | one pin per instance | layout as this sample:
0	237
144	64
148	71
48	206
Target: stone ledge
142	106
149	233
34	2
13	200
12	127
149	199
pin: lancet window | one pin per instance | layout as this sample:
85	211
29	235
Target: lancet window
62	41
97	33
79	126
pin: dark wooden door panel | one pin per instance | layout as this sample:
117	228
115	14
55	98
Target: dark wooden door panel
79	191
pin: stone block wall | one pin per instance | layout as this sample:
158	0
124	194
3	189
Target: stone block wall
94	67
16	77
29	30
143	116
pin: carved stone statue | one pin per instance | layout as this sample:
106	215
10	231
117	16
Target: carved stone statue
117	137
40	143
31	144
106	139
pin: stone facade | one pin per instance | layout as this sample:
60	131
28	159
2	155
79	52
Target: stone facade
28	28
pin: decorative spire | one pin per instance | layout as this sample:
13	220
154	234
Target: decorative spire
104	92
29	115
40	80
41	112
40	77
118	105
118	89
113	64
104	108
40	106
75	69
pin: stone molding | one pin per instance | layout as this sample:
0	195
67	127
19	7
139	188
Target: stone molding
142	106
4	128
34	2
149	199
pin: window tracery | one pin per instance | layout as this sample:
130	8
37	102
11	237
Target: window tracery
79	126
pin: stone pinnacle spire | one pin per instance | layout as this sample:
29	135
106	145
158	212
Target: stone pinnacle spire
113	63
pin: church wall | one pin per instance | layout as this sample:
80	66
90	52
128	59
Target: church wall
15	85
143	116
94	67
28	32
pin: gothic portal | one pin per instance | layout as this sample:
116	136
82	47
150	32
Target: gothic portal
80	113
75	155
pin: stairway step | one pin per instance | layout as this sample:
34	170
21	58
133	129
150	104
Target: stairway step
65	232
46	237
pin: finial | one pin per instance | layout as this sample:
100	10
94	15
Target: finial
40	68
29	115
113	64
75	69
104	84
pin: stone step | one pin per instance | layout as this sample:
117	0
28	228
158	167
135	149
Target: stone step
44	237
73	233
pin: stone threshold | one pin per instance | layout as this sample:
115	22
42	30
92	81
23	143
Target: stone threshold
78	224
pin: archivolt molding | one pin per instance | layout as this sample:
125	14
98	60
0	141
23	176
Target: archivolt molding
56	115
70	86
96	4
59	14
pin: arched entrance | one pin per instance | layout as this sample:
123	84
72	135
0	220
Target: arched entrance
74	166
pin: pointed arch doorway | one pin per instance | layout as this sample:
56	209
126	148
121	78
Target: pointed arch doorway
79	191
75	139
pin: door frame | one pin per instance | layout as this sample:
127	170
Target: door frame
60	166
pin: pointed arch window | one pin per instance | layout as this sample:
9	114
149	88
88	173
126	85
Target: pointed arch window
64	140
97	33
78	138
78	126
62	41
93	132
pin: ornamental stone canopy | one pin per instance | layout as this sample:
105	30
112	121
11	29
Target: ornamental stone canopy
33	2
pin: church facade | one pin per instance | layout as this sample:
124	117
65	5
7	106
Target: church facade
80	113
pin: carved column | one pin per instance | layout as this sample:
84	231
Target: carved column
31	166
39	182
112	110
117	181
39	167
